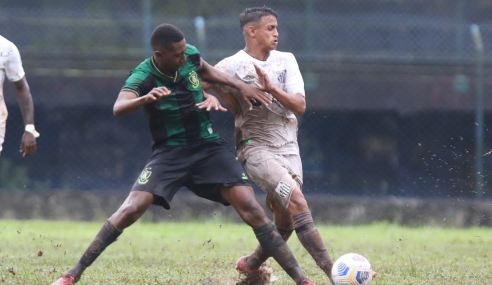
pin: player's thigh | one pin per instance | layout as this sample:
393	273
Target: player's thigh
274	176
243	199
167	170
216	163
215	167
132	209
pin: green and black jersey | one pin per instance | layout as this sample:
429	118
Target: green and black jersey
175	119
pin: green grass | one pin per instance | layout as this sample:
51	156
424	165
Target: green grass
37	252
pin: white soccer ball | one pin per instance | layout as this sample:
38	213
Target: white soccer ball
352	269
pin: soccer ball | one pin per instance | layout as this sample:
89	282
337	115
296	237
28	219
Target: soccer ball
352	269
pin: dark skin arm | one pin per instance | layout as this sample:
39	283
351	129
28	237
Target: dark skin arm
28	143
128	102
211	74
296	103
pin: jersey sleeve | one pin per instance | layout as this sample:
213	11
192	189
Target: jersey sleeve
13	66
227	66
193	55
140	83
294	84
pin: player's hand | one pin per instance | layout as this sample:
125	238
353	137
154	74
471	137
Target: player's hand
157	94
28	144
254	95
263	78
210	102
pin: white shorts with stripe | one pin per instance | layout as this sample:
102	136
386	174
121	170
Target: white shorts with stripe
276	174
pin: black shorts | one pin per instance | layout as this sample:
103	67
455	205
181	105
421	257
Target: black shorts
203	168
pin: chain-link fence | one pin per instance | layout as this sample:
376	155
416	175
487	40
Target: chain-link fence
392	89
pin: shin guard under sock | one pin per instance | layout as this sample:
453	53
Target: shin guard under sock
311	240
274	245
106	236
258	257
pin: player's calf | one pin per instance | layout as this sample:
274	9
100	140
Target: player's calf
272	243
106	236
311	240
259	256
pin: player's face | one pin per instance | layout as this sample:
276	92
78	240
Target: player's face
266	33
171	59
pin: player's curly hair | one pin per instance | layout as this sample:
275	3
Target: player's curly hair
164	36
254	14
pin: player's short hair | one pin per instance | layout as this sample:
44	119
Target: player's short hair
255	14
164	36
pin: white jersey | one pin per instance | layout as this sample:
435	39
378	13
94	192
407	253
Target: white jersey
10	65
273	127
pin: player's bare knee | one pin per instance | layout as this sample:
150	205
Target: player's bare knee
252	213
255	210
297	202
131	212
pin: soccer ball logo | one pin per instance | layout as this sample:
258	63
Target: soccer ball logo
352	269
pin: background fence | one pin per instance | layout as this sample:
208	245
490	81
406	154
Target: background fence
392	90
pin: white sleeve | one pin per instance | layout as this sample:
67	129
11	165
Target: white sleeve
13	65
294	84
227	66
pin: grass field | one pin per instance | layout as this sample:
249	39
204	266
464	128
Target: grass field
37	252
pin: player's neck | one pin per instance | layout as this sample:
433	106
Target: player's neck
259	54
164	71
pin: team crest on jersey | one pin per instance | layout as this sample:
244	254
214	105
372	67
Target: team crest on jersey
193	78
144	177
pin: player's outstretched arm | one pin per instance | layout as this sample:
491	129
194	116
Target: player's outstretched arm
296	103
128	102
213	75
225	96
28	144
210	102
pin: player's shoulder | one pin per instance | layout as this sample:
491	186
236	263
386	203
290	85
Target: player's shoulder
232	61
6	44
282	54
143	69
190	49
237	57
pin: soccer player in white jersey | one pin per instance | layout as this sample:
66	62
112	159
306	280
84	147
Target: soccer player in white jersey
11	65
266	136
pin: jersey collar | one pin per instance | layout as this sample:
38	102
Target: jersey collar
165	76
269	54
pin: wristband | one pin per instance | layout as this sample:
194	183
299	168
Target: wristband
30	129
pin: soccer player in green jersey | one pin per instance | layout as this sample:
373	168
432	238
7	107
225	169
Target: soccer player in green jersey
187	151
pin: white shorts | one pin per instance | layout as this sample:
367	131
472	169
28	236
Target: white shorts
3	122
276	174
